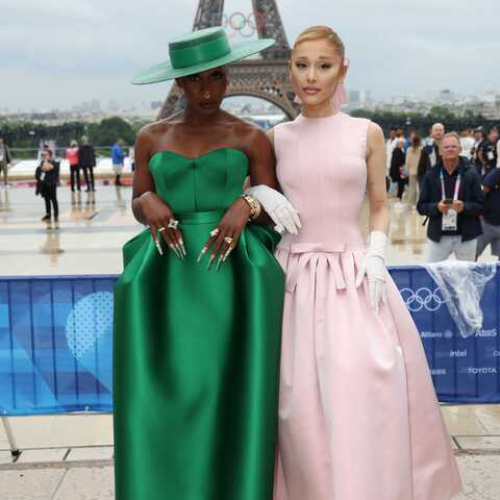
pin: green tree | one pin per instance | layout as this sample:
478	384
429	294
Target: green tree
109	130
442	113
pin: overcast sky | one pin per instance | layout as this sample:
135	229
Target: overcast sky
56	53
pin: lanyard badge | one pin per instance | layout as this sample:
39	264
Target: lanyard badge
450	218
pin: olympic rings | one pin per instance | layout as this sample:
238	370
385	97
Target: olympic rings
423	298
239	23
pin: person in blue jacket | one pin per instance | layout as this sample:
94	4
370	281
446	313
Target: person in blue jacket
118	159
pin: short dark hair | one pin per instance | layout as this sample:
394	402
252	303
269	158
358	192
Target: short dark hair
48	151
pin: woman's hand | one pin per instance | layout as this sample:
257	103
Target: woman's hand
160	218
224	238
281	211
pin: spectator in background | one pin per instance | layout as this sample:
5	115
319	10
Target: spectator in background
491	216
397	172
86	156
131	157
452	199
5	160
390	145
417	163
479	136
488	153
467	142
47	177
432	149
74	167
118	159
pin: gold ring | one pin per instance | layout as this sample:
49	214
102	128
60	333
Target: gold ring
215	232
173	223
228	240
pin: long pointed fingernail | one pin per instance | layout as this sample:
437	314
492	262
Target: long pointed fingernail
174	249
183	248
202	253
158	247
179	250
212	257
219	262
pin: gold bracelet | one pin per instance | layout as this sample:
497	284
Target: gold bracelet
255	206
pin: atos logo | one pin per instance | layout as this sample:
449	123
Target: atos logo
487	333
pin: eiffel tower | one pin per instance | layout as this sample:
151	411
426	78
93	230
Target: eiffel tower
266	77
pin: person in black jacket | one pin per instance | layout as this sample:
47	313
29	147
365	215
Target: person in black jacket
47	177
5	160
396	172
452	199
424	166
491	216
86	155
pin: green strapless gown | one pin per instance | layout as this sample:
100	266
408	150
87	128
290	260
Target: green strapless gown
196	351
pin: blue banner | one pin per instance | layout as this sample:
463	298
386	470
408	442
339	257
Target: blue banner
56	343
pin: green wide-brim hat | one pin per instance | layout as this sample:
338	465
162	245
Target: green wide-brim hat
200	51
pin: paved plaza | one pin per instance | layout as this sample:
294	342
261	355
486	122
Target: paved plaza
71	456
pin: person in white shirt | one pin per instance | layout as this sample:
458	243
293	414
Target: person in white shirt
467	142
390	145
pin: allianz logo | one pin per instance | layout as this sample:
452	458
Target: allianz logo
487	333
447	334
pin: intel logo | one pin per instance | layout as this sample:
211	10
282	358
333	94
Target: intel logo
458	354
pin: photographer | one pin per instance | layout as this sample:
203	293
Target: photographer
47	177
452	199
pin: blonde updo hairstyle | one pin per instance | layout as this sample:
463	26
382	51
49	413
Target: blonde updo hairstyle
321	33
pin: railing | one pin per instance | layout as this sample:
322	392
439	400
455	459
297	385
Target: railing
56	343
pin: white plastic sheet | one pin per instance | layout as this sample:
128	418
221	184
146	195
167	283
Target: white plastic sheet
462	285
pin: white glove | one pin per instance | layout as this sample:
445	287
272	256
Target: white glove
281	211
374	268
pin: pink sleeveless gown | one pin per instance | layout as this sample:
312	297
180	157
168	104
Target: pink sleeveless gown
358	416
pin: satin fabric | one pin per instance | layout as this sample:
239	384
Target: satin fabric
196	351
358	415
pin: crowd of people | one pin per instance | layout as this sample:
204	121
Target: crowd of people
82	160
415	170
454	181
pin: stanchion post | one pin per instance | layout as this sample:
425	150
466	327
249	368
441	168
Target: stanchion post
14	450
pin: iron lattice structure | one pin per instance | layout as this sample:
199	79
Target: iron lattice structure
267	77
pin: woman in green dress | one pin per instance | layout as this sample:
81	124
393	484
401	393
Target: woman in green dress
197	334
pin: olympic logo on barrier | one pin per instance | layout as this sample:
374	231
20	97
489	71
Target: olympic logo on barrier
239	23
423	298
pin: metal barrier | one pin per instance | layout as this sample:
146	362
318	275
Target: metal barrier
56	343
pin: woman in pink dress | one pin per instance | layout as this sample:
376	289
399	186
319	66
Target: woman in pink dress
358	418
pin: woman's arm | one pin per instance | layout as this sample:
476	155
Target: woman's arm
376	188
262	160
143	186
147	207
265	187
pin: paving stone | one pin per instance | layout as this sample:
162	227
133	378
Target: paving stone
87	484
35	484
42	455
91	453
